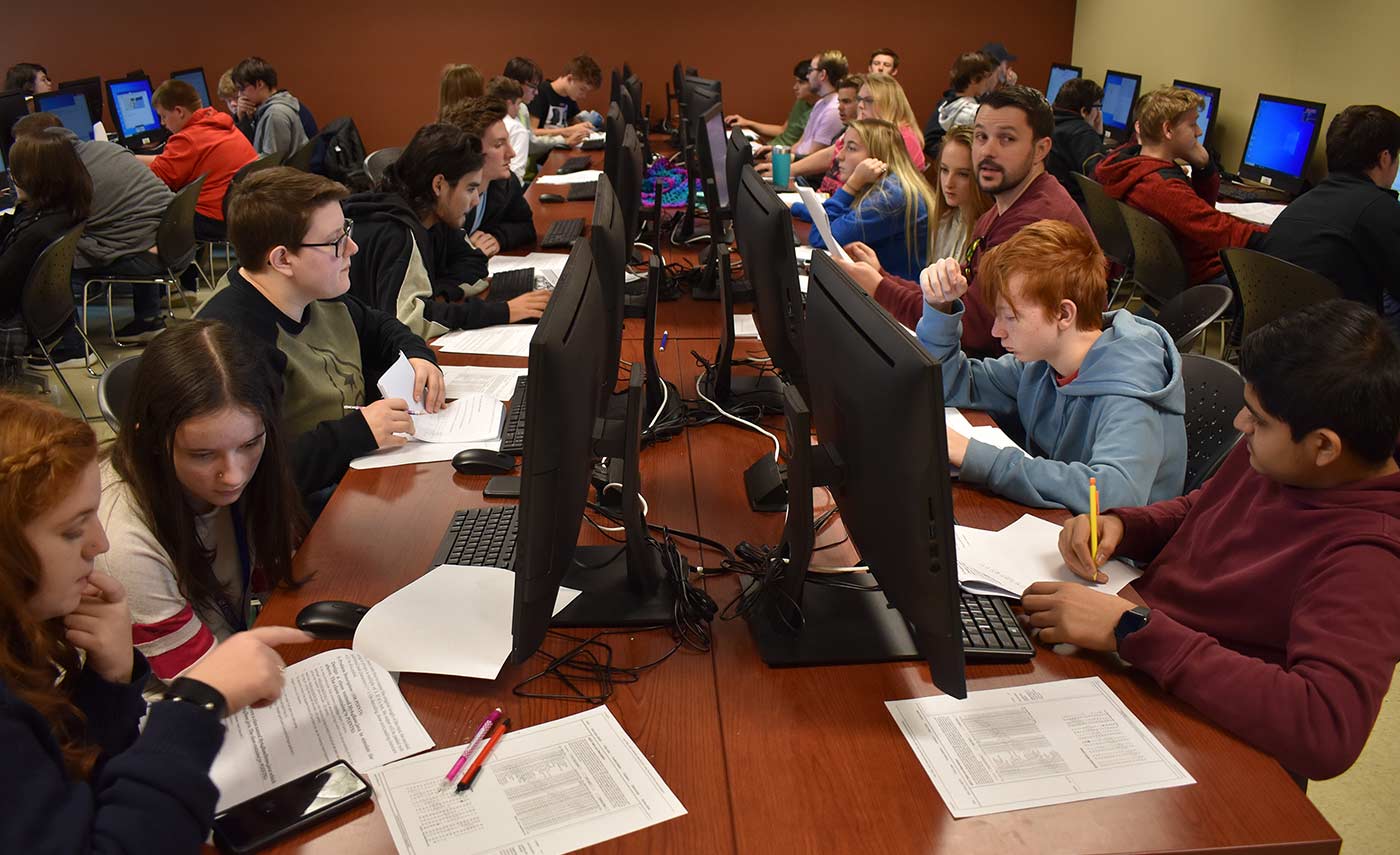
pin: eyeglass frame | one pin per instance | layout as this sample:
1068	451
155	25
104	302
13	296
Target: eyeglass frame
337	243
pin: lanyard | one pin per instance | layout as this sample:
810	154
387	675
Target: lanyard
241	619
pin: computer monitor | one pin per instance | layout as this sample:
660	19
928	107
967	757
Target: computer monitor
632	85
14	105
763	231
1120	92
608	237
91	87
874	390
738	155
1281	138
712	157
133	111
195	77
1059	73
627	184
613	124
70	107
1396	185
1206	117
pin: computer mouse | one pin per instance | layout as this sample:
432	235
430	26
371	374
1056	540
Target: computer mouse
552	197
483	461
331	619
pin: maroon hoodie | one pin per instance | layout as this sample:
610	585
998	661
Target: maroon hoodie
1184	205
1274	608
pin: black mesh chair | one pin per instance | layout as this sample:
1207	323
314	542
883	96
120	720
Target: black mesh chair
47	306
1214	396
1158	270
1189	313
114	390
1270	288
378	161
301	158
1109	229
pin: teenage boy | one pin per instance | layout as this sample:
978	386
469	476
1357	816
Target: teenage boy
530	76
413	256
824	162
1347	228
556	103
328	347
1269	593
502	219
1010	141
884	61
1100	396
972	76
1006	75
824	123
1147	177
510	92
278	123
791	131
1078	144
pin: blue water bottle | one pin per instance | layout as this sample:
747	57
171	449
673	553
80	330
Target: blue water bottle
782	166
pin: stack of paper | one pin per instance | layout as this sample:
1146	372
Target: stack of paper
1263	213
1004	563
498	383
470	418
541	261
500	340
745	327
583	176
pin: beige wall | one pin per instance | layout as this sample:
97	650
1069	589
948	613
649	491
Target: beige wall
1339	52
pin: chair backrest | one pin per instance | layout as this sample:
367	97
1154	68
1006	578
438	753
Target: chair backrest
114	390
261	162
175	235
1157	266
1106	221
379	160
1188	314
301	158
47	300
1271	287
1214	396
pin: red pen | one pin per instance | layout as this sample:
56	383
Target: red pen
475	769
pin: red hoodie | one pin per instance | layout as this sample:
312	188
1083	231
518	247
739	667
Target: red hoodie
1186	206
207	144
1273	608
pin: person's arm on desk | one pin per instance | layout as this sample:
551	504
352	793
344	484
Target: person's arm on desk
735	120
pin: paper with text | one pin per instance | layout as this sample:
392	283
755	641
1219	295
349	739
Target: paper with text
745	326
1029	746
337	705
1263	213
419	452
583	176
821	223
552	788
1004	563
541	261
397	382
498	383
470	418
499	340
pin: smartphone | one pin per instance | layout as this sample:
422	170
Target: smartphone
502	487
289	808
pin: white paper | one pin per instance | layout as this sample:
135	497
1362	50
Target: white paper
1004	563
541	261
802	283
419	452
552	788
452	620
583	176
498	383
397	382
802	254
1029	746
791	199
821	223
954	420
470	418
336	705
499	340
1263	213
745	327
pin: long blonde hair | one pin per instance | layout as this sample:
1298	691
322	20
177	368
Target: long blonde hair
459	82
972	207
883	141
890	101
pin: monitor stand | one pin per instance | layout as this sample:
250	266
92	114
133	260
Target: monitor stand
720	384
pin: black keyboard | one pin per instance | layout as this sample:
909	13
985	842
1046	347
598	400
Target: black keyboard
513	431
576	164
509	284
479	537
584	191
562	233
1240	193
991	631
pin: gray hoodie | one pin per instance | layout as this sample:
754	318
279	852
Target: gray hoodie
128	201
959	111
278	128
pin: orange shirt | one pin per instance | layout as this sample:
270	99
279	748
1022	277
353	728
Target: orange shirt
211	145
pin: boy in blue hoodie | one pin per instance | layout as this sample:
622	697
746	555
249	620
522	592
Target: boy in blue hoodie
1097	400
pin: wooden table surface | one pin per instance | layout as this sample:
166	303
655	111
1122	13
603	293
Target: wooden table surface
774	760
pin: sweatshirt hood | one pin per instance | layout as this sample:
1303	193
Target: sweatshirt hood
1125	167
1135	358
380	207
951	108
282	97
210	118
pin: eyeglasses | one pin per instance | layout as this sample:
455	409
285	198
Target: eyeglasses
1097	106
867	101
338	242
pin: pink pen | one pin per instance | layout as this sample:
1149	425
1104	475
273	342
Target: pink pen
481	732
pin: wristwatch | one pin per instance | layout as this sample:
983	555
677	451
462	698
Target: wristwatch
202	695
1131	621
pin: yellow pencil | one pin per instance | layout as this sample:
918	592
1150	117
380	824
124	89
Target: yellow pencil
1094	518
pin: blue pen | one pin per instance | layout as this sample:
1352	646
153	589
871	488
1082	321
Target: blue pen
665	334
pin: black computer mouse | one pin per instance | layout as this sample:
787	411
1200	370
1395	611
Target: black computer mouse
331	619
552	197
483	461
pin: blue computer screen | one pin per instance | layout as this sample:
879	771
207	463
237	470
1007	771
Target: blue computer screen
1281	135
196	79
135	113
71	108
1395	186
1118	95
1207	112
1058	76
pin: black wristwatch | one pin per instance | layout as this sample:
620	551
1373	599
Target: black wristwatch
202	695
1131	621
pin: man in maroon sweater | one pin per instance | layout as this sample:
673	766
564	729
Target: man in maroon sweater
1271	591
1147	177
1011	140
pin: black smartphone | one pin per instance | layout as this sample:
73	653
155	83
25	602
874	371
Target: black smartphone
289	808
502	487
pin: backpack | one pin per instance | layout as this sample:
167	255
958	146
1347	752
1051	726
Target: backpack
339	154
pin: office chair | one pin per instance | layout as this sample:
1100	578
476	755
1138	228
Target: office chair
378	161
47	306
1214	396
175	250
1189	313
1270	288
1158	271
301	158
114	390
1109	230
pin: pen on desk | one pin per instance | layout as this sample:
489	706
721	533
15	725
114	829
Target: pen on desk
1094	519
481	732
665	334
470	778
348	407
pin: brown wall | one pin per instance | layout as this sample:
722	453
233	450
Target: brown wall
382	67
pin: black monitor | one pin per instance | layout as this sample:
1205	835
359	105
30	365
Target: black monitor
14	105
738	155
70	107
627	184
195	77
608	238
632	85
91	87
1281	139
873	389
613	124
1208	113
134	112
764	235
1059	73
710	137
1120	92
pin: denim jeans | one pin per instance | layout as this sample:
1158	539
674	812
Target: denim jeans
145	299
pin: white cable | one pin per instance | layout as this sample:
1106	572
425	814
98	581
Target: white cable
607	487
777	448
665	395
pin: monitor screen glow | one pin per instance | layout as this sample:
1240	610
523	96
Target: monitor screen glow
71	108
1119	92
135	113
196	79
1058	76
1281	135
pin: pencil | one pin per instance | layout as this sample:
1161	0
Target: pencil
1094	518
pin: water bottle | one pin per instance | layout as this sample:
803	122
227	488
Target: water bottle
782	165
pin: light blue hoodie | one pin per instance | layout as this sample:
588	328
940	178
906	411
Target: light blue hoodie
1120	421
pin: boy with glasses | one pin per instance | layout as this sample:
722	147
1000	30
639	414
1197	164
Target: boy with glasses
1078	144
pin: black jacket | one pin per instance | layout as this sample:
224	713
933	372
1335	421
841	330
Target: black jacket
24	236
933	131
508	217
1076	147
1347	229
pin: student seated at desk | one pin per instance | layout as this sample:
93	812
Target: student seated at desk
884	202
1100	396
31	78
459	82
1271	591
790	131
413	256
197	497
824	123
959	201
823	162
327	348
502	219
972	76
528	74
228	93
884	61
511	92
79	772
555	105
1078	138
280	123
877	96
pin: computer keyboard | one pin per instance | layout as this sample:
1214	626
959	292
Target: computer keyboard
991	631
513	431
576	164
479	537
584	191
509	284
1240	193
562	233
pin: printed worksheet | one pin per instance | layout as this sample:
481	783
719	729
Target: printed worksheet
470	418
500	340
821	223
464	380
